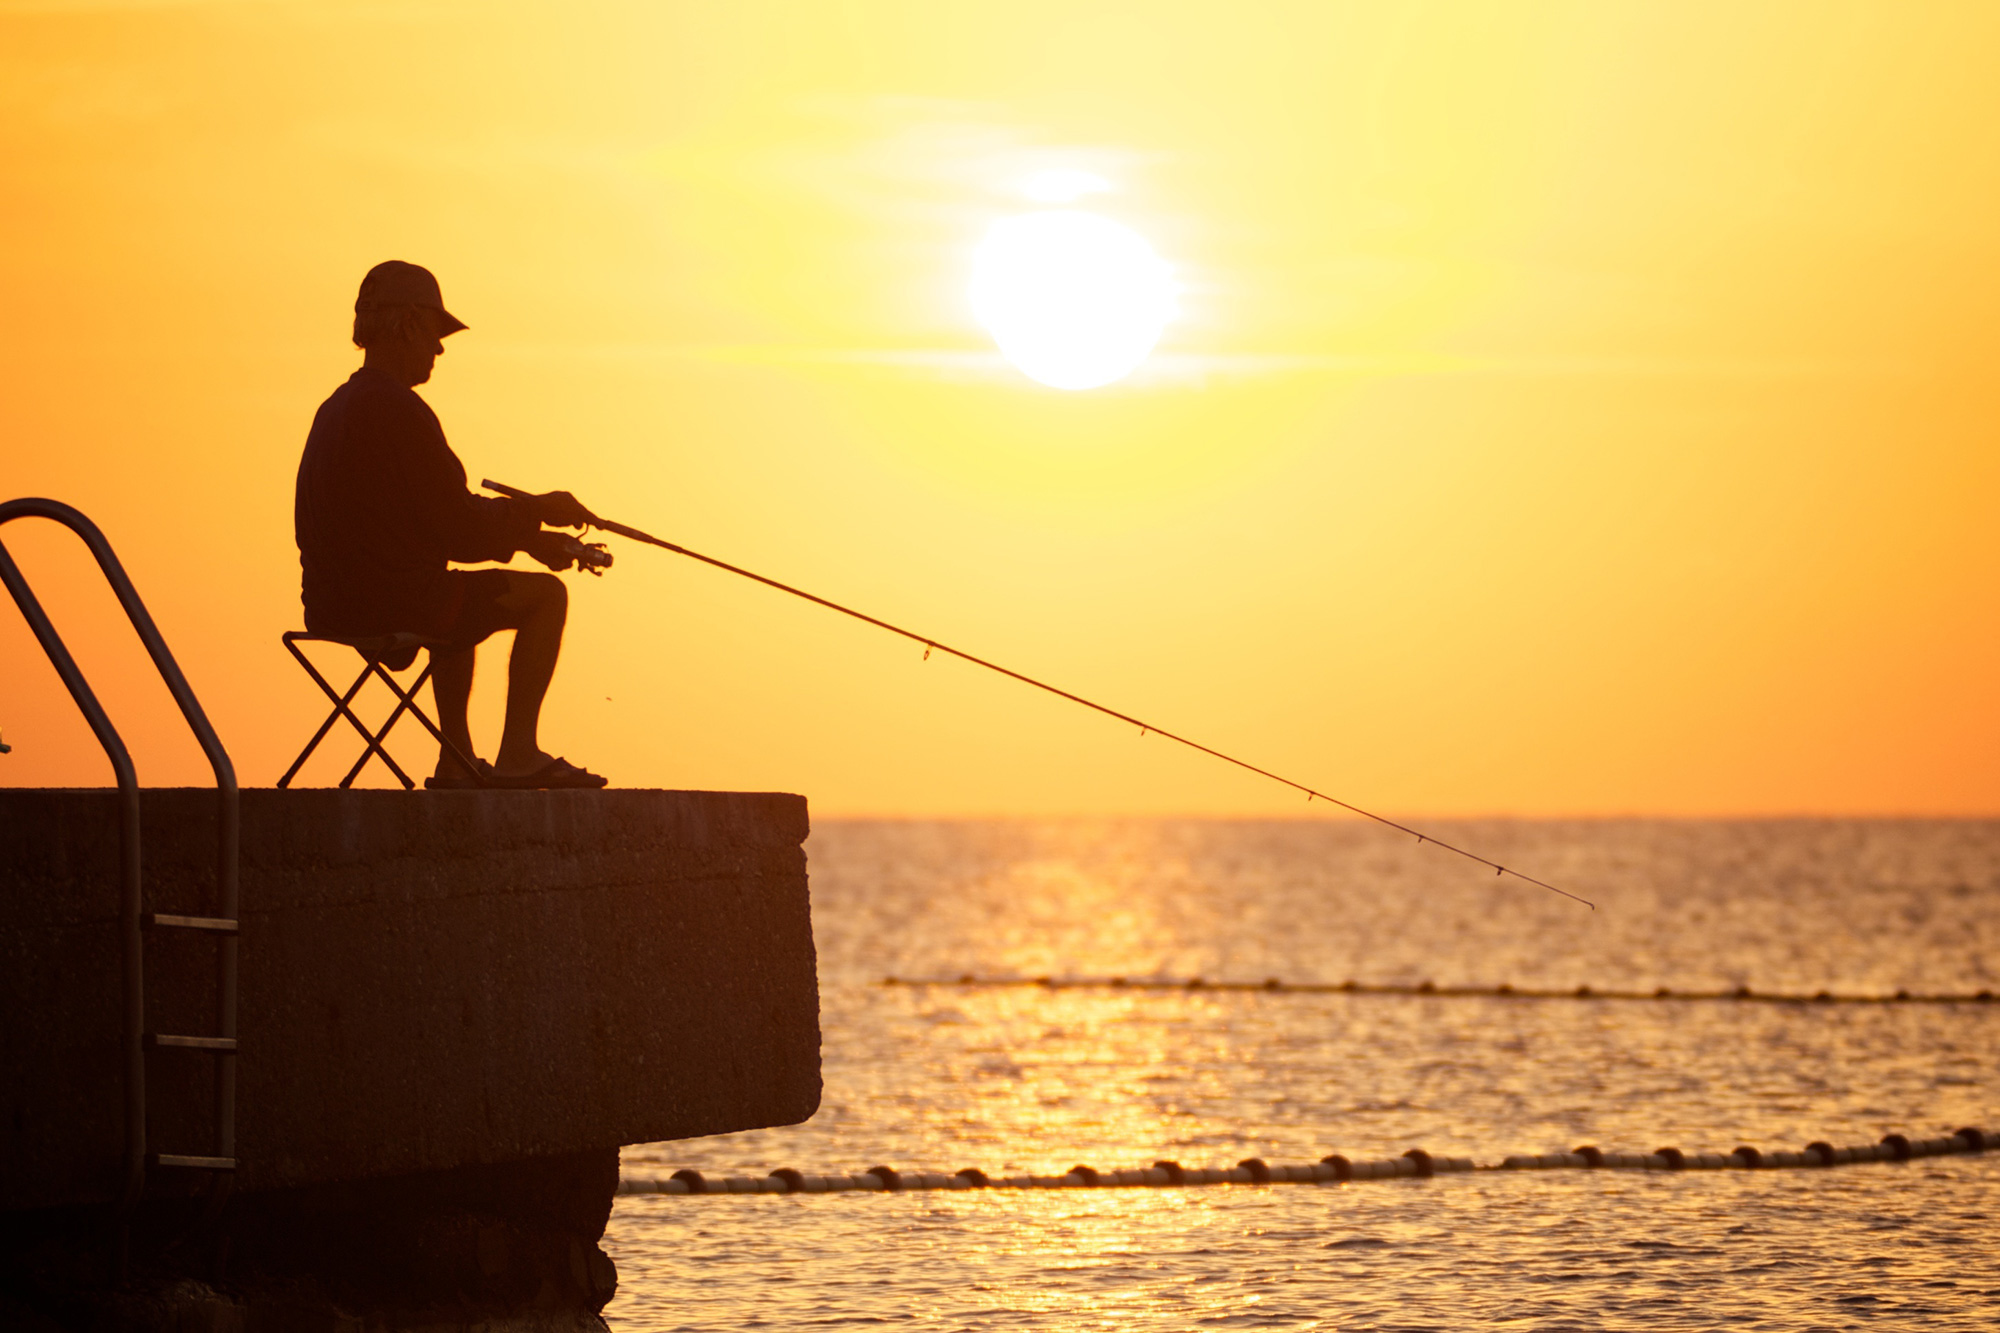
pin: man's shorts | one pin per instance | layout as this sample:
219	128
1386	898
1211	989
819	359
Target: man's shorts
477	614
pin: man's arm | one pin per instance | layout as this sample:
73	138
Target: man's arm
471	528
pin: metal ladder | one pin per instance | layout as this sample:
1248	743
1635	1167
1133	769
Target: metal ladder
222	927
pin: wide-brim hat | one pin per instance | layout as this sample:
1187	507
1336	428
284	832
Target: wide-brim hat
394	283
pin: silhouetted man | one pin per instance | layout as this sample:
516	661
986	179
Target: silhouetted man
382	507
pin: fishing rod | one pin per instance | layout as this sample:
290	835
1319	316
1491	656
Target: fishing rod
931	645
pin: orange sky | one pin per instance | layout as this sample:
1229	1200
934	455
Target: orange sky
1578	408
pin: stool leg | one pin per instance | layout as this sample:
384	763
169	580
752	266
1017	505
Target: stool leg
407	702
340	710
375	740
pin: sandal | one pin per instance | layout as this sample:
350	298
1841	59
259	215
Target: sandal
556	773
480	779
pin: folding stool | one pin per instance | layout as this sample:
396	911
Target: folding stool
374	652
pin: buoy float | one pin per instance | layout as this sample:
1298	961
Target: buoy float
1335	1168
1740	991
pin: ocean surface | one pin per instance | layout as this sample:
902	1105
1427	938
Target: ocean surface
1017	1079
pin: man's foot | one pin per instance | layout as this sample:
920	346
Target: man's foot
451	775
555	773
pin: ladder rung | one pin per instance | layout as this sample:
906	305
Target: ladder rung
220	1045
195	1163
222	925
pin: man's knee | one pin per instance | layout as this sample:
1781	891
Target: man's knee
551	592
532	593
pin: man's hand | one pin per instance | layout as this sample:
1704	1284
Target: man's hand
557	550
560	509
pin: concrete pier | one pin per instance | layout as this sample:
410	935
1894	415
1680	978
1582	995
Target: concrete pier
436	987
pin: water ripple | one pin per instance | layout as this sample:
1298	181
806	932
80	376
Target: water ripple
1037	1080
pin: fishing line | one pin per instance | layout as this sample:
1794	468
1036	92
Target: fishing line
931	645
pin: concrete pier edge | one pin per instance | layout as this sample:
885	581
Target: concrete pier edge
446	997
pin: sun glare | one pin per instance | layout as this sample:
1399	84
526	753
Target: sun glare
1073	299
1063	185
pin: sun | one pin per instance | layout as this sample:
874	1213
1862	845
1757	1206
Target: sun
1074	299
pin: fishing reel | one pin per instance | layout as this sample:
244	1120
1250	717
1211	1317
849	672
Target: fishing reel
591	557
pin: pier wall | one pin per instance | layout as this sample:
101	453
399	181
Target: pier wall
430	980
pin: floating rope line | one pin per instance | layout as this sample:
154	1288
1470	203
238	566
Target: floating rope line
1334	1169
1425	988
931	645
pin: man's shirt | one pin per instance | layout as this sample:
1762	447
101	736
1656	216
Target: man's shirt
381	507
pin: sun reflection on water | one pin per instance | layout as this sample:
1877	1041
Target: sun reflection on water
1037	1080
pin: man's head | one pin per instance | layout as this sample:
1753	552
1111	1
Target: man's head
400	321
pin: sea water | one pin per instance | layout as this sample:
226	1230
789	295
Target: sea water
1039	1079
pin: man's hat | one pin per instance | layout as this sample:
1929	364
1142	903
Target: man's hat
397	283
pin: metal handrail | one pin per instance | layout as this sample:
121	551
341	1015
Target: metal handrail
228	826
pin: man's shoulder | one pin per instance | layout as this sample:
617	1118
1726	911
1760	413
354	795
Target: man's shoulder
369	398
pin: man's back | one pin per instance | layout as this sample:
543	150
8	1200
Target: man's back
381	506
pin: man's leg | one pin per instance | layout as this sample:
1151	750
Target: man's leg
451	687
537	607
